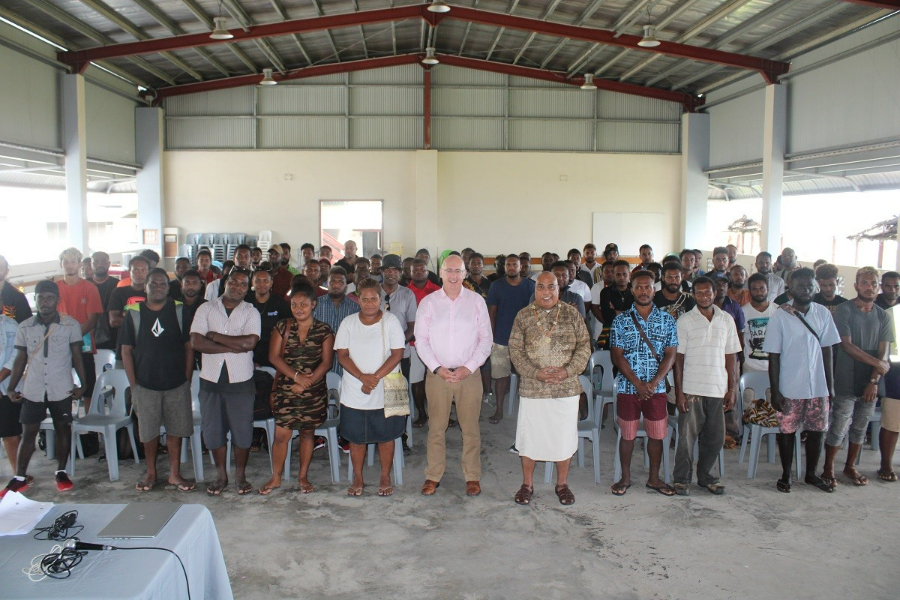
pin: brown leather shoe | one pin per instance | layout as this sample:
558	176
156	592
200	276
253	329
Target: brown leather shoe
429	487
473	488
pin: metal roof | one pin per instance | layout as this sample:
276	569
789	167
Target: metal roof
703	41
802	185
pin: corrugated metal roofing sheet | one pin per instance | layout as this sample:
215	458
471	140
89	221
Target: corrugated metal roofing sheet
702	23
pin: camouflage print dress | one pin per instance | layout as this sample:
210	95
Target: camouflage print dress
307	410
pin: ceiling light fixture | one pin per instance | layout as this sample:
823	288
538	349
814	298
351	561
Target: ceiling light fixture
267	78
220	32
588	82
649	40
430	59
438	6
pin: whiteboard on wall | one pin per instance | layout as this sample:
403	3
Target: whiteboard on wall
630	231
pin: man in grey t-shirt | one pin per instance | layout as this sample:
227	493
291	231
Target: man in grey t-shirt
862	360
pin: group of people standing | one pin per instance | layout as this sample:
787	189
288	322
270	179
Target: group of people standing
267	330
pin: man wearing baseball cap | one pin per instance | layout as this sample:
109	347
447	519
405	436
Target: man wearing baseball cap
399	301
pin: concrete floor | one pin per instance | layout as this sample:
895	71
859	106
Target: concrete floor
753	542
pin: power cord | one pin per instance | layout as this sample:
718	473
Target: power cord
56	564
80	547
187	582
60	530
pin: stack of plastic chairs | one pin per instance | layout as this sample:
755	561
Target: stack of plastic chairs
264	241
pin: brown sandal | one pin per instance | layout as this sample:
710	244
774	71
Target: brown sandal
523	496
565	495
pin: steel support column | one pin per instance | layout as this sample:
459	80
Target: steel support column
426	110
149	123
75	147
694	180
774	137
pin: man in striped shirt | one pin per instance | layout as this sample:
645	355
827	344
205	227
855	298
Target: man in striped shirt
705	379
337	306
226	330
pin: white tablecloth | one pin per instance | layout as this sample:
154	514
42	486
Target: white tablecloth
137	574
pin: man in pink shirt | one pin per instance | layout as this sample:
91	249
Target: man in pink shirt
453	339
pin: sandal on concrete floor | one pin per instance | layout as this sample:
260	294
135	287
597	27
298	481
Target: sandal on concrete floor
565	495
523	496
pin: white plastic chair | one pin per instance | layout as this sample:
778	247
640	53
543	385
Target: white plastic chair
108	413
758	382
513	393
104	360
328	429
607	393
195	441
588	429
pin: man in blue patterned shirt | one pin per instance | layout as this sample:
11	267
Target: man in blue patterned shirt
337	306
640	384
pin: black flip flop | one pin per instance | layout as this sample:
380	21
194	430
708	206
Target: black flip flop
664	489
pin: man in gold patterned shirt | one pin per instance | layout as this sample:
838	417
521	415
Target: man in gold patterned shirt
550	347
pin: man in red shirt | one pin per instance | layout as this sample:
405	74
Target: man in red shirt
79	299
204	266
420	286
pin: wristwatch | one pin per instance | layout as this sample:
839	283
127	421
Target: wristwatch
873	380
436	369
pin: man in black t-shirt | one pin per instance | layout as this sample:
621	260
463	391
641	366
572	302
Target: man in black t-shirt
182	265
191	298
159	361
670	298
615	299
123	296
890	290
271	310
826	278
105	283
14	303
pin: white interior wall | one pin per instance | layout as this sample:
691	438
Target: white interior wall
492	201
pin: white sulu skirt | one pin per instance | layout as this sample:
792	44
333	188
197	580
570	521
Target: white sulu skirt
547	429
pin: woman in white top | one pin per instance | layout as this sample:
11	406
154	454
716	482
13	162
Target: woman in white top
369	346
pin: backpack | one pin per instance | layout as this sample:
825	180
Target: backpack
134	312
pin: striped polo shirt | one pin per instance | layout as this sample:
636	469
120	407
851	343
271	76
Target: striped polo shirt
704	344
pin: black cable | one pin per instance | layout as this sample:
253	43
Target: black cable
173	553
63	528
59	565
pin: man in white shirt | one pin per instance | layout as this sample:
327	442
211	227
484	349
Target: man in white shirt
226	330
798	342
577	286
757	314
590	262
705	377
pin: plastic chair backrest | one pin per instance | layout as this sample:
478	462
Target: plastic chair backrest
105	360
195	391
587	388
117	380
603	359
758	381
333	381
265	236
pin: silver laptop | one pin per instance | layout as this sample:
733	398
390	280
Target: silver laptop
140	520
